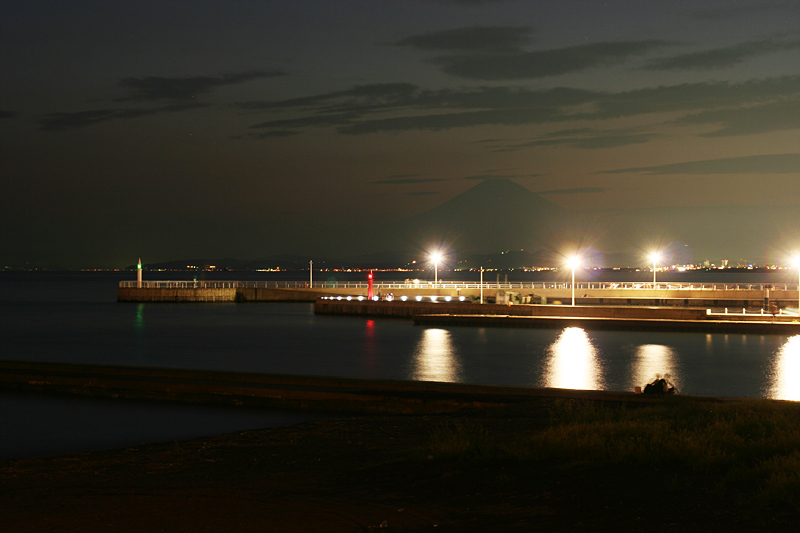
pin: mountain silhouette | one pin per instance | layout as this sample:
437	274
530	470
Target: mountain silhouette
495	215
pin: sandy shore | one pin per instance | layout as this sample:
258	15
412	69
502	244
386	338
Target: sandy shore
358	474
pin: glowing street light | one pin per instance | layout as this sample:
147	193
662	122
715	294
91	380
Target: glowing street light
436	257
654	257
572	262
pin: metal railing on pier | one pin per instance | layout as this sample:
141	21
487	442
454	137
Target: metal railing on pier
456	285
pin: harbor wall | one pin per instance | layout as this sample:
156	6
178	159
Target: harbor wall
710	325
751	299
200	295
413	308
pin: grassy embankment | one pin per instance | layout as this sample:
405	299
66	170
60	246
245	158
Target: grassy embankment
753	444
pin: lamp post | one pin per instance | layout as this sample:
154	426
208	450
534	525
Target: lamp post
654	257
572	263
436	257
311	274
481	284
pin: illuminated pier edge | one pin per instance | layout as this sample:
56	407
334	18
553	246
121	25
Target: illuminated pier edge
728	298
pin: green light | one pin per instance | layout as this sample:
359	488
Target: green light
139	266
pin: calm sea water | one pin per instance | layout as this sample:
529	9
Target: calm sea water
74	317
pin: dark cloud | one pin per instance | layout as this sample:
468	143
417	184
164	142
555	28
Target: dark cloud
468	2
612	141
359	97
484	177
722	57
352	111
272	134
446	121
692	96
740	9
81	119
577	190
154	88
492	53
587	139
571	132
780	115
7	114
478	38
376	108
402	181
754	164
316	120
520	64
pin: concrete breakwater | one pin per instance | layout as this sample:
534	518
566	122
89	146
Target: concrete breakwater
410	309
551	316
176	294
274	390
627	324
600	294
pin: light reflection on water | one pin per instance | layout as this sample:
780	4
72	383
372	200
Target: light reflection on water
654	360
572	362
435	358
370	347
785	372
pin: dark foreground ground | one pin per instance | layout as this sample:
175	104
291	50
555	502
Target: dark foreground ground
363	474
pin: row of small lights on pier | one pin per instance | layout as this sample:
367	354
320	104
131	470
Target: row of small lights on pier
389	298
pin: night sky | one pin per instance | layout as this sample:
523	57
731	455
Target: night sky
247	129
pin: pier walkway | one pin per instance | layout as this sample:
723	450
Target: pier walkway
616	317
718	295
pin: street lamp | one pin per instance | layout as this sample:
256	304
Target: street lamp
481	283
436	257
572	262
654	257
